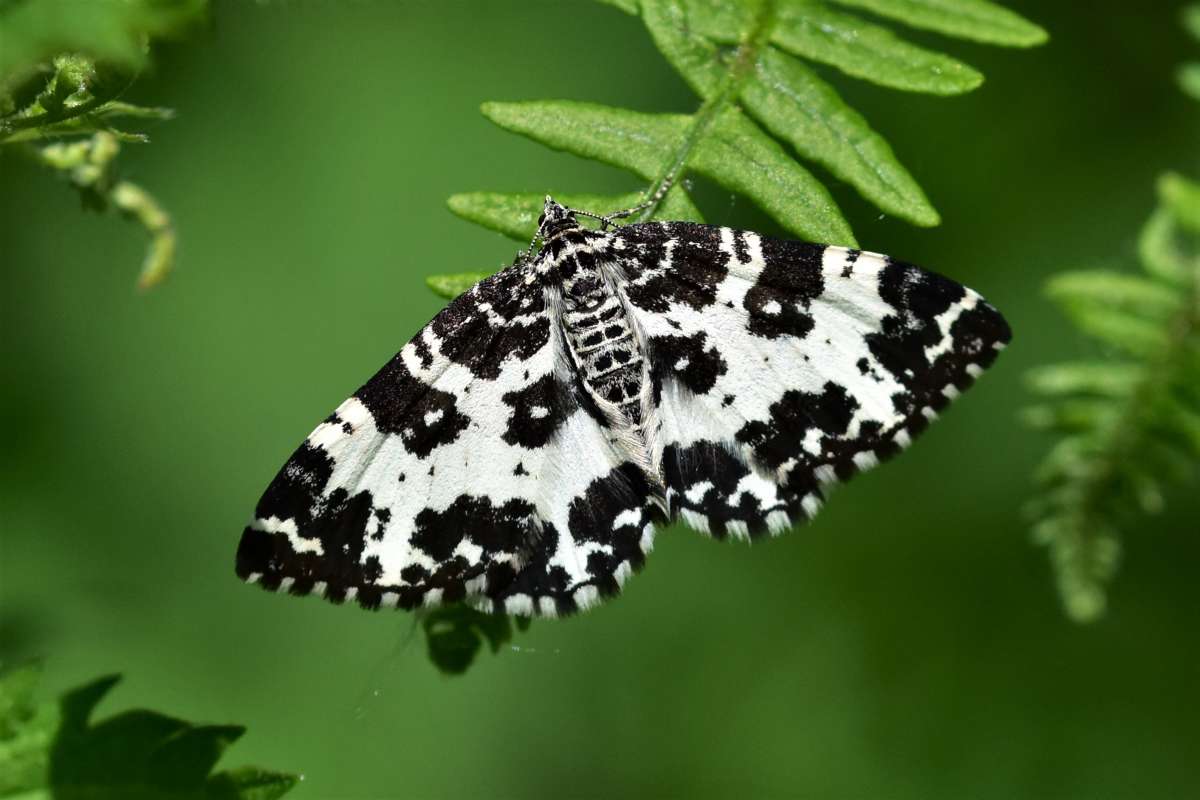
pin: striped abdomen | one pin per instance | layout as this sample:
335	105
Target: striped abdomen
603	342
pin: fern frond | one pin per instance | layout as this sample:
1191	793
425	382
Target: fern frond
762	107
1129	425
733	153
63	66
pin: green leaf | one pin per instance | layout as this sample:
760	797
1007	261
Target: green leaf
1069	459
673	25
1106	379
857	48
452	285
1160	251
1073	415
16	698
515	215
26	730
1106	291
677	205
628	6
142	754
1191	20
1183	422
455	634
1117	328
867	51
56	750
736	154
1182	198
117	108
977	20
1085	554
108	30
743	159
797	106
185	759
249	783
1188	78
632	140
1146	489
711	20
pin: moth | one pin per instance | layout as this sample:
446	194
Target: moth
519	452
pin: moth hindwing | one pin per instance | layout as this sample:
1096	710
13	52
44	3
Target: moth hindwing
518	453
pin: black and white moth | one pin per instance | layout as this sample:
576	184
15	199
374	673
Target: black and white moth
518	453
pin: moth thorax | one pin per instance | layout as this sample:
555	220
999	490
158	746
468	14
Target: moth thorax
603	342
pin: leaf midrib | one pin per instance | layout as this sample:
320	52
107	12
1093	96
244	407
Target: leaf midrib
725	95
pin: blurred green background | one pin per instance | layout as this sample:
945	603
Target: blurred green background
908	644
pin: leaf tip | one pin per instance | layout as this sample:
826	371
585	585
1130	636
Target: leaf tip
1024	33
1036	36
972	79
925	216
493	109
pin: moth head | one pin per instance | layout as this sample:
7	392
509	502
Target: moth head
554	218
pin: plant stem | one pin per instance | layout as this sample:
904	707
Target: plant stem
715	103
11	128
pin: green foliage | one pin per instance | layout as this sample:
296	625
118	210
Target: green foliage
515	215
455	635
1129	423
54	750
761	106
26	732
112	31
90	165
63	69
1189	74
978	20
733	153
452	285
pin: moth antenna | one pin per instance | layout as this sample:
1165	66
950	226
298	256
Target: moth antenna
654	199
528	254
604	219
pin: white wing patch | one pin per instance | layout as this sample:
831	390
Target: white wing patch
804	365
